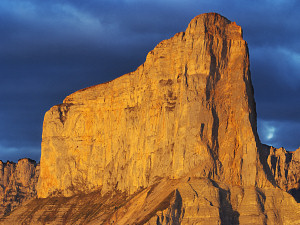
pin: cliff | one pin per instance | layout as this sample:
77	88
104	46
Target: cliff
188	109
285	167
17	183
174	142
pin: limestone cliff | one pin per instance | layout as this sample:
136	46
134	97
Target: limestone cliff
188	109
17	183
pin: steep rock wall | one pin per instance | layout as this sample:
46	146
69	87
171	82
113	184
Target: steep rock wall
189	109
17	183
285	167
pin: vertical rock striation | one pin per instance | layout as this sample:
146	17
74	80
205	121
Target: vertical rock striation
17	183
188	110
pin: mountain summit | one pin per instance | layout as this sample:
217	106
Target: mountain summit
174	142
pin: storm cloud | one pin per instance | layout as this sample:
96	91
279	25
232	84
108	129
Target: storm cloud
49	49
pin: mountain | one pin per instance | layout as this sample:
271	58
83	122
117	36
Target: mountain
189	107
174	142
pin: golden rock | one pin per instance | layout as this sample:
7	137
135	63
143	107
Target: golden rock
189	109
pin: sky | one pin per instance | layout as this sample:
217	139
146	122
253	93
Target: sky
51	48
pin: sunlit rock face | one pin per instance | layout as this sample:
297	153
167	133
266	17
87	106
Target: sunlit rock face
187	111
17	183
285	167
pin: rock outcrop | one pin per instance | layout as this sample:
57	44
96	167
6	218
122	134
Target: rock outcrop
188	109
285	167
17	183
174	142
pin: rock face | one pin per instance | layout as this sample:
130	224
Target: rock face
188	109
285	167
174	142
17	183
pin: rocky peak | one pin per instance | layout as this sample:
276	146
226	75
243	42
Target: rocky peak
285	167
215	25
17	183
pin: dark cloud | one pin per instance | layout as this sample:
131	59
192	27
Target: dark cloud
276	78
52	48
